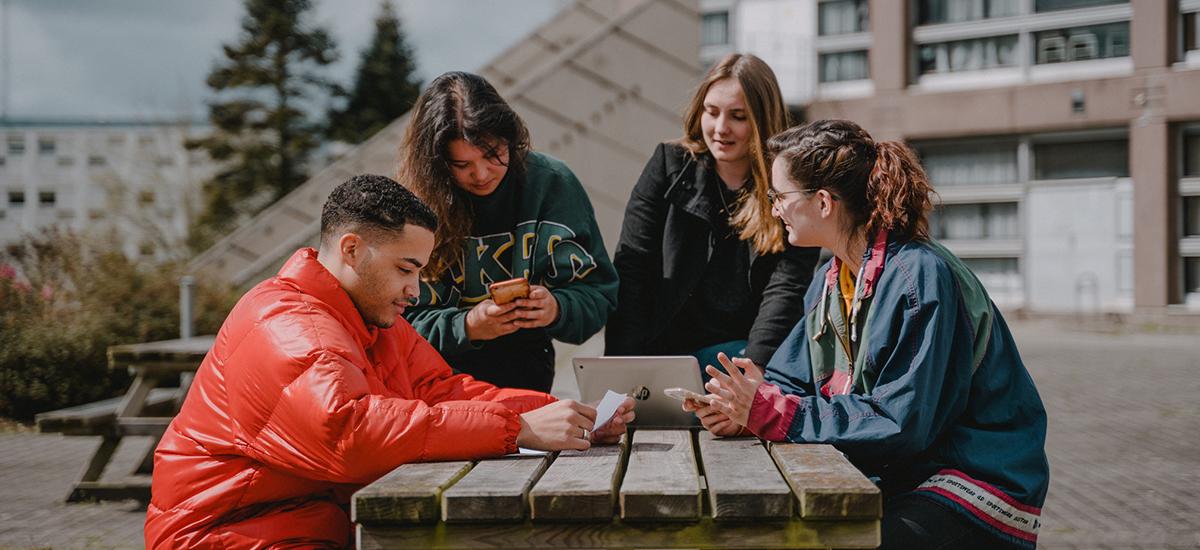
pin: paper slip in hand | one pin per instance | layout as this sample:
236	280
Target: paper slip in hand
522	451
607	408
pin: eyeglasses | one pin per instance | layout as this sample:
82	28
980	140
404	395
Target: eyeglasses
773	196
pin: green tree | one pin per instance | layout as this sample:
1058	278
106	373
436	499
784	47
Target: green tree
262	136
385	86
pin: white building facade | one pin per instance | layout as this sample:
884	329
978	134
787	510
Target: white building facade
133	180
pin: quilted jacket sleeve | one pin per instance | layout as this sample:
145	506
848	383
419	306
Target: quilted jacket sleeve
434	382
310	411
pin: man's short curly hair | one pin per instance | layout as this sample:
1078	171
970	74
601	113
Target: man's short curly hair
371	204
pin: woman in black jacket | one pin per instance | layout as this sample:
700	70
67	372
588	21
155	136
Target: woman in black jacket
703	265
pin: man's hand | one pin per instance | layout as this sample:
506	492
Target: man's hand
540	309
733	393
713	420
611	433
489	320
560	425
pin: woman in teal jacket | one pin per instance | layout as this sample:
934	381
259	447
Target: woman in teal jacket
902	361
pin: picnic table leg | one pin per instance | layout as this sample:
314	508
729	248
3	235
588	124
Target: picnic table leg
95	466
135	398
131	406
146	465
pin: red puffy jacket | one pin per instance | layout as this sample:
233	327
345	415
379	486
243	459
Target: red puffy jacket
298	405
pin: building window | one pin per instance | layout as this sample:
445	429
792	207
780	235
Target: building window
96	160
16	198
714	29
146	197
46	146
1190	40
978	163
1082	43
997	274
16	145
953	11
66	161
2	160
1089	159
976	221
1191	216
841	17
840	66
46	198
968	55
1191	153
1055	5
1191	275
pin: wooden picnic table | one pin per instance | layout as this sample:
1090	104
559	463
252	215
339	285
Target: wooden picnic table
145	409
668	489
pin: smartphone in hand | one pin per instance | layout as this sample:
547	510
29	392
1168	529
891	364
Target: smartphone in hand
685	394
504	292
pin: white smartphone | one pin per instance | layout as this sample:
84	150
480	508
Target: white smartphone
685	394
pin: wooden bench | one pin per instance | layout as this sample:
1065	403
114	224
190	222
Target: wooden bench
100	417
144	410
668	489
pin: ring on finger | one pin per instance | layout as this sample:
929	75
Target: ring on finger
586	434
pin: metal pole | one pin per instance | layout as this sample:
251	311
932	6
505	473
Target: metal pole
5	56
187	285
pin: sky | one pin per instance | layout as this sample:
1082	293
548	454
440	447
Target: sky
141	59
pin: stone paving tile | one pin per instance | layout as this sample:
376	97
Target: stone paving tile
1123	445
36	472
1122	439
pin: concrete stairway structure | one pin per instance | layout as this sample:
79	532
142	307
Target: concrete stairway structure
598	86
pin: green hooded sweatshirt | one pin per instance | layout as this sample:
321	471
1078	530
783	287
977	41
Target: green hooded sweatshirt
538	224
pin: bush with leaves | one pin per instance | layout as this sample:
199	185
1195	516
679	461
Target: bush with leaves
64	298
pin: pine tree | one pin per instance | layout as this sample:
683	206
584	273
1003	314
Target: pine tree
385	86
262	136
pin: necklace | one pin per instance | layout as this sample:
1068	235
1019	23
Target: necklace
725	206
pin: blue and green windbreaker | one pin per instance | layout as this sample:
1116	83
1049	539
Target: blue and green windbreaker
922	388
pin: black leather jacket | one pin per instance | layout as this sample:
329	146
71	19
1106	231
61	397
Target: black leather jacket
666	241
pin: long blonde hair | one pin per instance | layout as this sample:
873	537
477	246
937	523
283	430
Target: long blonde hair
768	116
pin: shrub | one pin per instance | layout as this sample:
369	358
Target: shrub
65	298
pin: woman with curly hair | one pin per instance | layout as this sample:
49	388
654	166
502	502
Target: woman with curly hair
504	212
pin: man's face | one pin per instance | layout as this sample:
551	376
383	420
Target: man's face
388	273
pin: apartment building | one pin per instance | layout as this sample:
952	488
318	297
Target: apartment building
133	180
1062	136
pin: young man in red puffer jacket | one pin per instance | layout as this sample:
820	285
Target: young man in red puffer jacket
316	386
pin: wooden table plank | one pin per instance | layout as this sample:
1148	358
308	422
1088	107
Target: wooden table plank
494	489
827	485
662	482
163	356
579	486
743	482
408	494
705	533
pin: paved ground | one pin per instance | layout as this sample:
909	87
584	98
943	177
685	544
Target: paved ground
1124	449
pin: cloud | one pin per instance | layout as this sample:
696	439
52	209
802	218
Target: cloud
148	58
